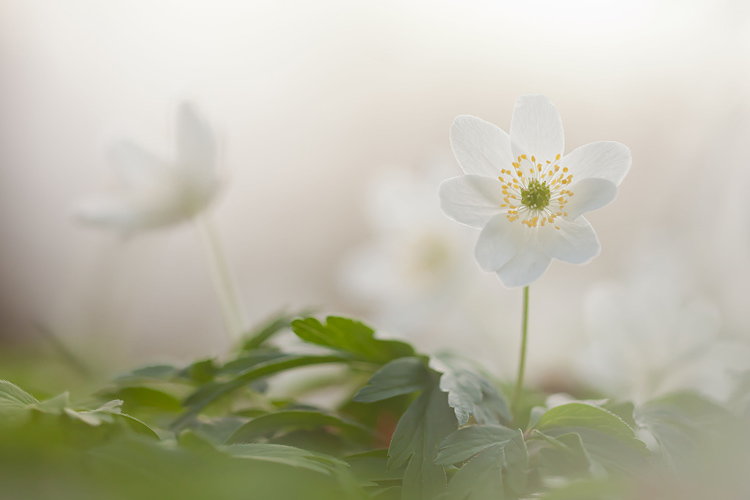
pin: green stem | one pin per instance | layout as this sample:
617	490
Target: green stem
231	308
522	364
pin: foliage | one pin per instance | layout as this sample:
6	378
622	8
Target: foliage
407	427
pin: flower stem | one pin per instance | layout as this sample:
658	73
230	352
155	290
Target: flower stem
522	363
234	320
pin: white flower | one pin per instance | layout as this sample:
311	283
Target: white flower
527	197
155	192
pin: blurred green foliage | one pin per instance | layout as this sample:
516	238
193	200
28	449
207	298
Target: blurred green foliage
407	427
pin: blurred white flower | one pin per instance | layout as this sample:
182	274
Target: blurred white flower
651	335
526	197
155	192
415	276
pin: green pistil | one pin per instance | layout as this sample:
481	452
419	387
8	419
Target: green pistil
536	196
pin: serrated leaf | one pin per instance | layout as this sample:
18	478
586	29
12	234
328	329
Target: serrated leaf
572	416
494	471
469	393
416	441
287	420
352	337
401	376
107	413
468	441
625	410
608	441
14	402
137	426
13	396
481	478
54	405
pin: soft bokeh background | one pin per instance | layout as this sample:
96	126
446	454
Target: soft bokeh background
332	113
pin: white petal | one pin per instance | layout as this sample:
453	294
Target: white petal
575	242
589	194
107	211
196	145
536	128
136	167
480	147
527	266
602	160
498	243
471	199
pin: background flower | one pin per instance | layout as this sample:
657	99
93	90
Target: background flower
155	192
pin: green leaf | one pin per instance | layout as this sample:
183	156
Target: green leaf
150	373
287	455
468	441
516	464
469	393
259	336
352	337
109	413
572	416
416	441
14	402
141	397
249	360
607	439
12	396
498	471
287	420
137	425
54	405
422	427
624	410
401	376
681	423
565	456
209	393
372	467
481	478
218	430
200	372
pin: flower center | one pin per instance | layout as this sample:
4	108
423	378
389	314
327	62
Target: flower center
536	196
535	193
